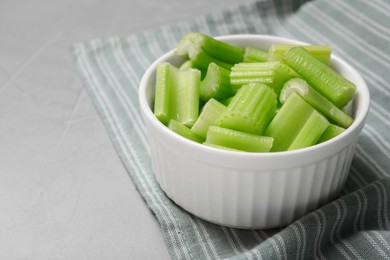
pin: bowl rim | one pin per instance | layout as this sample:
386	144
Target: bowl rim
352	131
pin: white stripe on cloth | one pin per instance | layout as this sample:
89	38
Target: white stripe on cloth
345	241
382	240
368	236
283	245
210	242
363	20
317	240
385	205
333	234
276	247
380	6
300	225
240	244
348	35
230	240
379	141
359	213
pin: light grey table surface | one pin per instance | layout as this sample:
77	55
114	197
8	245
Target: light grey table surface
64	193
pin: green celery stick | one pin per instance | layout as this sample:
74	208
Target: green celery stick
238	140
254	55
311	132
184	131
320	76
209	115
321	52
177	94
216	83
273	73
251	109
330	132
319	102
201	60
162	103
288	122
216	49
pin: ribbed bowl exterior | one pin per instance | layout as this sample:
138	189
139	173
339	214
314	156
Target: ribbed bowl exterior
251	190
248	198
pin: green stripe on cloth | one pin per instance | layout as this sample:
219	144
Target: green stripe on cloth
354	226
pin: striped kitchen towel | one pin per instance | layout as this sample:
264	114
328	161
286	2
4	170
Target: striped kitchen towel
355	226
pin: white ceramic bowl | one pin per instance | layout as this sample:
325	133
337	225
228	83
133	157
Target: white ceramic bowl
250	190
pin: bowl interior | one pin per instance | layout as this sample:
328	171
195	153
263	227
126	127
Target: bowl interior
360	109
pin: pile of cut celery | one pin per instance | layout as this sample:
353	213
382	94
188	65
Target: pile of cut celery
246	99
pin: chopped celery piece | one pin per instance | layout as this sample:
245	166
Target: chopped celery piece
251	109
216	83
321	52
187	64
184	131
255	55
320	76
201	60
177	94
330	132
210	115
273	73
216	49
238	140
162	93
311	132
319	102
289	121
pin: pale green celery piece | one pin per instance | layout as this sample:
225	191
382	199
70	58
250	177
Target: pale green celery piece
209	115
315	99
255	55
162	97
184	131
251	109
238	140
177	94
288	122
216	83
201	60
187	64
216	49
311	132
320	76
321	52
330	132
273	73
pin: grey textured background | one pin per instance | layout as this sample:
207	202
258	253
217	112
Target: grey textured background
64	194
